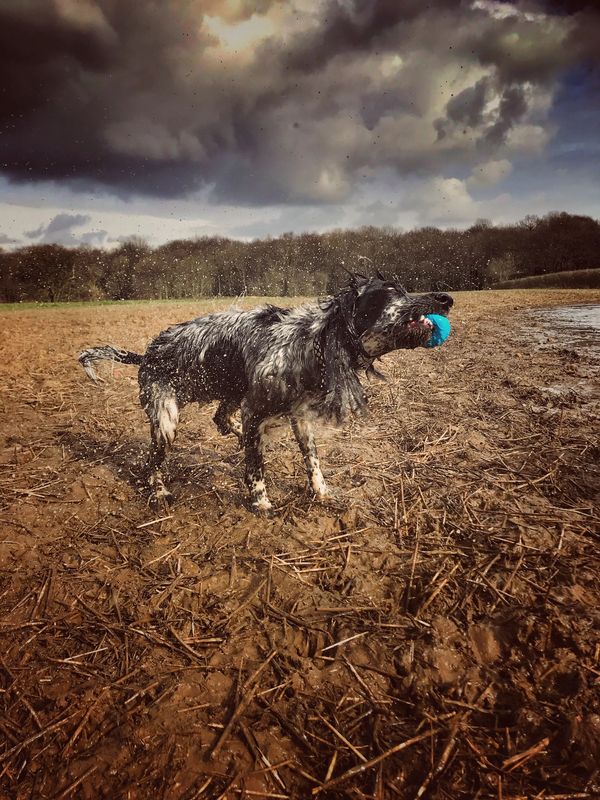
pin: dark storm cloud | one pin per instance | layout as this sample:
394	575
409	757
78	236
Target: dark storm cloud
37	47
569	6
466	108
75	70
512	107
351	25
514	48
164	98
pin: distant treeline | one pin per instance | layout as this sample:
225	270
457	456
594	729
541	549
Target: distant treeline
303	264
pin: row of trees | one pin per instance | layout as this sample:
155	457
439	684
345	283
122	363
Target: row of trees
304	264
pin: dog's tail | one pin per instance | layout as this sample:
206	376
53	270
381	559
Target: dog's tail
88	358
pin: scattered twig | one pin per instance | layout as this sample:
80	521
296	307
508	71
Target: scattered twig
374	761
247	696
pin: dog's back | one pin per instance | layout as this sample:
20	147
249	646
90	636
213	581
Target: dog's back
211	357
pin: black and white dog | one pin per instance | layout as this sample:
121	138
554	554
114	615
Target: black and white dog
272	362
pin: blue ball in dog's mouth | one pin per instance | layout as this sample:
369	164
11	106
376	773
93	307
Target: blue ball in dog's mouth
441	330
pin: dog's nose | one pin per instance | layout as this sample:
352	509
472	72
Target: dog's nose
443	299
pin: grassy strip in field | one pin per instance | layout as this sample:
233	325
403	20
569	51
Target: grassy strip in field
575	279
543	296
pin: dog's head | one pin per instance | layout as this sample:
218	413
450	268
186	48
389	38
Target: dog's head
385	317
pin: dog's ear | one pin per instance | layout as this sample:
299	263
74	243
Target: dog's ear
346	302
343	392
361	281
399	285
357	279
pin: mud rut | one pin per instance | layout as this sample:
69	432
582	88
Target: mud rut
433	633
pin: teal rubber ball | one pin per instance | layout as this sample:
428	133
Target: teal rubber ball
441	330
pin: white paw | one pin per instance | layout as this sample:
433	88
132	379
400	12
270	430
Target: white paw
320	489
261	505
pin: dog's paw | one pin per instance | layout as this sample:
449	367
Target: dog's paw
262	507
330	498
317	486
160	499
321	493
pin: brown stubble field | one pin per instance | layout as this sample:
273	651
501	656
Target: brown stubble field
431	633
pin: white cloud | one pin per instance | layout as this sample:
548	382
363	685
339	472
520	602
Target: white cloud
529	139
489	173
443	201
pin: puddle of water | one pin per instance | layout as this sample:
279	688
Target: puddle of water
574	328
577	327
579	317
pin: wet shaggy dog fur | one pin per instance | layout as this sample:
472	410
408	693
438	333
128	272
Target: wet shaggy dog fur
301	363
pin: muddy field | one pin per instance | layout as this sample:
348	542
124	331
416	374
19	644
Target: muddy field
431	633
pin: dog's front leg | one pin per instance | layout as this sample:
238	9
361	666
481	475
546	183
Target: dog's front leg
304	433
255	467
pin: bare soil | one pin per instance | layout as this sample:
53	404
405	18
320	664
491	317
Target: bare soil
431	633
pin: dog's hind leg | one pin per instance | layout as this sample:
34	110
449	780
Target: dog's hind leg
226	422
253	426
305	436
160	404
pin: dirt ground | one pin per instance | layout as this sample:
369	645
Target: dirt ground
431	633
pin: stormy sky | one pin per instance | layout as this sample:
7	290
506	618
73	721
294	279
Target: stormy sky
179	118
